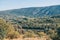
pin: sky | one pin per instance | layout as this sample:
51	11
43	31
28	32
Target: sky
15	4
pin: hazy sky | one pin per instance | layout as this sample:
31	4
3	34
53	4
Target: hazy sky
13	4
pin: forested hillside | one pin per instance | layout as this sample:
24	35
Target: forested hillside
34	11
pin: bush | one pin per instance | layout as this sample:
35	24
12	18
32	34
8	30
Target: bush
29	34
41	34
7	29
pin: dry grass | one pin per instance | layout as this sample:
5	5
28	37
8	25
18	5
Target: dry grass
36	38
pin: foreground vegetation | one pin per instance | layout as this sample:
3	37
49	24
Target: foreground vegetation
30	28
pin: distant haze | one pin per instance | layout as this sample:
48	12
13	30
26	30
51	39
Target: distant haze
14	4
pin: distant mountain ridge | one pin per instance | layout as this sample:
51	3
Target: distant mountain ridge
34	11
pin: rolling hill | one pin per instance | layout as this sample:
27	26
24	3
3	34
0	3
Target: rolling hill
34	11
